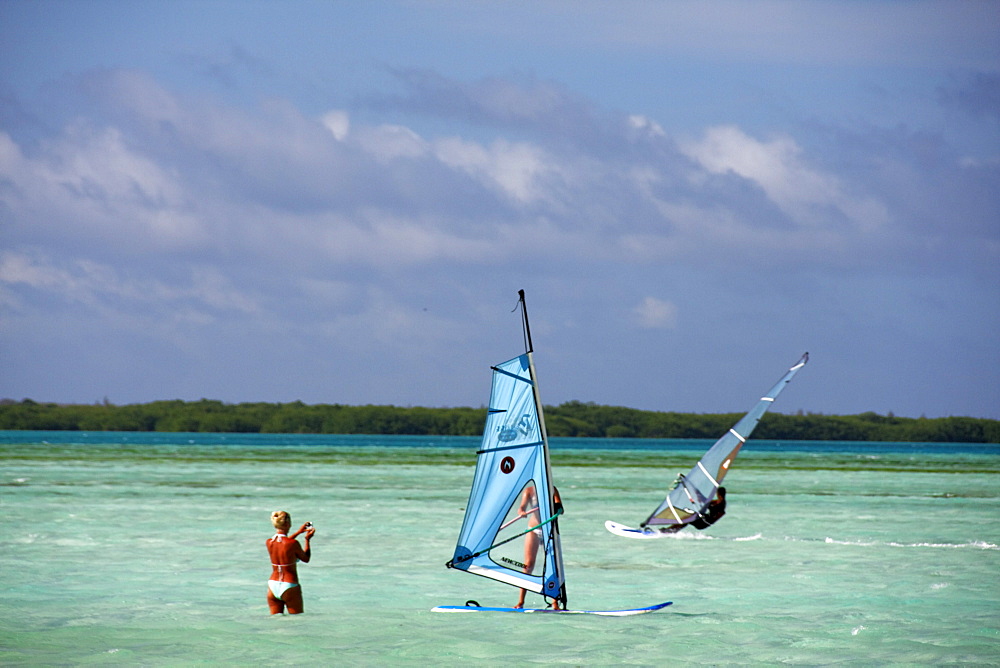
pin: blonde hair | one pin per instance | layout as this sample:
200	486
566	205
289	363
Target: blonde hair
280	519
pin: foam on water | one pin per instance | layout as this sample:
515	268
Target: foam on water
153	555
977	544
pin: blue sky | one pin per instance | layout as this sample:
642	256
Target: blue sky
337	202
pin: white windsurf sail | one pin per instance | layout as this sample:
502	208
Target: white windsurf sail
688	502
511	529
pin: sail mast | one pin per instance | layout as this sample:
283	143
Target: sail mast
556	541
528	348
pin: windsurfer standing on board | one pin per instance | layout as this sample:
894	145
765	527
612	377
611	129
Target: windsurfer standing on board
529	509
713	513
283	588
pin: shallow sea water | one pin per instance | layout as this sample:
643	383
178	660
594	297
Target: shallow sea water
133	549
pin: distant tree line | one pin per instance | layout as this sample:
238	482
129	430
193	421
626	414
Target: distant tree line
569	419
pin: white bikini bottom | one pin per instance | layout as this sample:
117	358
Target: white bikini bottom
278	588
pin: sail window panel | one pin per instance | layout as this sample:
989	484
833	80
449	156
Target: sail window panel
519	540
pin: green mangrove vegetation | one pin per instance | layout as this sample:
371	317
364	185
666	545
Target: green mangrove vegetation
573	418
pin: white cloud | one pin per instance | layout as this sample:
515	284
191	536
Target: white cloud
338	122
88	182
138	93
646	125
88	282
20	269
653	313
274	186
514	168
780	169
386	143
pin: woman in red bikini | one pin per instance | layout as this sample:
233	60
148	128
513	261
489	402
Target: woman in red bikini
283	590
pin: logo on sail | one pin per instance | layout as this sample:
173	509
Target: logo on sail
518	564
511	432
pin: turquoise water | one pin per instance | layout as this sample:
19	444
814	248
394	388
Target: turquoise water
147	549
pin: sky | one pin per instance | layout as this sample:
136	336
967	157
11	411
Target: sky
337	202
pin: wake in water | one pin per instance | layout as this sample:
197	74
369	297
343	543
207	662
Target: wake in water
977	544
701	536
684	536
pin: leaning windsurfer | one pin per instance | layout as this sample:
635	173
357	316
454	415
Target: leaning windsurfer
532	539
713	513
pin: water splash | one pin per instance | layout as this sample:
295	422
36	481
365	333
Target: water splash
756	536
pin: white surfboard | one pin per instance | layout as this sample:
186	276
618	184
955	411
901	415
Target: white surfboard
631	532
550	611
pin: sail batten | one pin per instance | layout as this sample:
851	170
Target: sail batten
673	511
506	373
511	447
707	474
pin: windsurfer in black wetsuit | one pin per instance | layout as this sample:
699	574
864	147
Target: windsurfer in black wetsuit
714	512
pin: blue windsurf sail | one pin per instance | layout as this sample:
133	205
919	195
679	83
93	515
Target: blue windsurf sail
688	502
511	529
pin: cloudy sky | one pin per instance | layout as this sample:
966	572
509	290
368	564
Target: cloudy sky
337	202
